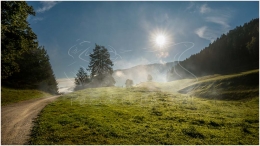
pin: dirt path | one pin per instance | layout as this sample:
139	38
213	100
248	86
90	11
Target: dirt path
16	120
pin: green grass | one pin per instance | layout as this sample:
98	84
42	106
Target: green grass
140	115
227	87
9	96
172	86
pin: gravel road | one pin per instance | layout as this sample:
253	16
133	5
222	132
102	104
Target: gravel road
17	120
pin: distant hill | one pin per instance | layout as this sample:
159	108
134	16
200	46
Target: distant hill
139	73
236	51
226	87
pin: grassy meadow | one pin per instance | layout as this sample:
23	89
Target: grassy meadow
150	113
9	96
226	87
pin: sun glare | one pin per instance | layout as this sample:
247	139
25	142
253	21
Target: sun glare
160	40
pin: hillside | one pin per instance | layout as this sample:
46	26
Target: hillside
154	113
222	87
139	73
229	87
236	51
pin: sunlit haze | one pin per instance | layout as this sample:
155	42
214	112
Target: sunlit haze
160	40
135	33
130	72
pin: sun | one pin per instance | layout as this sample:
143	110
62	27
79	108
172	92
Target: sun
160	40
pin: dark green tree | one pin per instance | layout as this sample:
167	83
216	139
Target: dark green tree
35	72
24	64
16	35
101	67
81	78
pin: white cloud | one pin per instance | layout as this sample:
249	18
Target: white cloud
204	9
205	33
219	20
47	5
220	17
200	31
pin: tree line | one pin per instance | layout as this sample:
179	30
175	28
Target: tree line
236	51
24	64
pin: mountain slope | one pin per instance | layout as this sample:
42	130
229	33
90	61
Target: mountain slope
139	73
228	87
235	52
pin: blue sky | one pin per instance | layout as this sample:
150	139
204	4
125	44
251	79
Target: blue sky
69	30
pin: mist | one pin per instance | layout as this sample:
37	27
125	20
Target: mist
139	73
66	85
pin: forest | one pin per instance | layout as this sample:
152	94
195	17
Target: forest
24	63
233	52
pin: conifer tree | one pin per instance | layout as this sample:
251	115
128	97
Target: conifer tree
82	77
24	64
101	67
16	35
